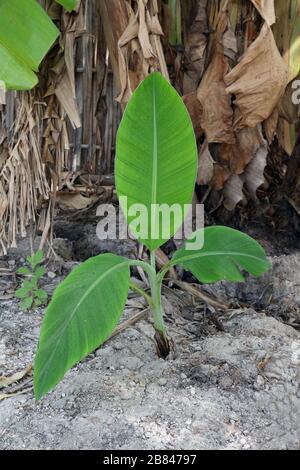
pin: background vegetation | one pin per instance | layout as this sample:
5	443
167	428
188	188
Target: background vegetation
233	61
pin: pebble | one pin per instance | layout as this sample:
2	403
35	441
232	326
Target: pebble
125	395
260	382
162	381
51	275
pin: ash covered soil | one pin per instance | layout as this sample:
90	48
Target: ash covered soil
231	389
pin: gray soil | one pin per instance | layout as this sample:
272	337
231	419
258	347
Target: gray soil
231	389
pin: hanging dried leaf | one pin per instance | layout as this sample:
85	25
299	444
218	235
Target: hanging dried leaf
246	163
3	204
221	175
270	125
63	73
195	48
141	41
217	114
230	44
116	13
233	192
254	174
266	9
258	81
64	94
285	134
205	166
195	110
236	157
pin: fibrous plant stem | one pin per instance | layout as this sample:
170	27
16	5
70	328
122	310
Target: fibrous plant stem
156	304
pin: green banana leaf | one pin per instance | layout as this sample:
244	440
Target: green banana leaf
156	154
69	5
83	312
26	35
225	253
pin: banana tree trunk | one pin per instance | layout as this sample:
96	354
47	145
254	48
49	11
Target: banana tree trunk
115	18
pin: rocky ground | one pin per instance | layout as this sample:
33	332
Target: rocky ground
231	389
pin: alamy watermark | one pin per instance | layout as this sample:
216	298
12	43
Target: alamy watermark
296	94
157	222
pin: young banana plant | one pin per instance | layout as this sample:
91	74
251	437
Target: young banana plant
156	166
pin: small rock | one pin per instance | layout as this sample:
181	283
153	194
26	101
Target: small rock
11	262
51	275
162	381
125	395
260	383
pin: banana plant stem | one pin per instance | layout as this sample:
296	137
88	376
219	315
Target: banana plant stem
155	285
153	260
